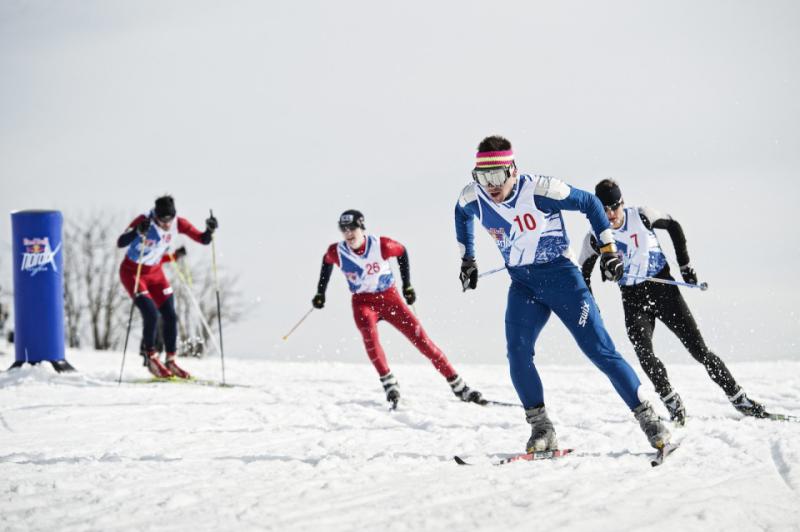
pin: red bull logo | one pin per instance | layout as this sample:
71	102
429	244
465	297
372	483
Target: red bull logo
38	255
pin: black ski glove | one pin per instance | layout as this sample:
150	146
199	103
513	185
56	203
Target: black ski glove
688	273
611	266
211	224
469	273
318	301
410	295
180	252
143	227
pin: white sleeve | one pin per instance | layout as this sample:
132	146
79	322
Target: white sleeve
587	250
550	187
653	215
468	195
606	237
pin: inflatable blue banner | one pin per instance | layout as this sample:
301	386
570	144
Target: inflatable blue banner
38	288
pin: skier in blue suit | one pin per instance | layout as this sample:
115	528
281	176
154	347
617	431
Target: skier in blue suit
523	215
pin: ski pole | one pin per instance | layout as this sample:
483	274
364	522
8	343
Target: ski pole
184	273
702	286
133	301
185	282
490	272
187	272
219	306
296	325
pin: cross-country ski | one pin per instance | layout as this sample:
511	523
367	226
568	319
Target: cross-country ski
523	457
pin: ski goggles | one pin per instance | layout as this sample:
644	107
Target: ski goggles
165	219
493	177
614	206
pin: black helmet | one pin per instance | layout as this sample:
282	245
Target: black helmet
350	219
165	207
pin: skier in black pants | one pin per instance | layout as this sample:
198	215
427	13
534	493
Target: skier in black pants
645	301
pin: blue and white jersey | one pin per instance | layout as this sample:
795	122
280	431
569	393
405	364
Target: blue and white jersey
156	243
528	227
639	247
367	273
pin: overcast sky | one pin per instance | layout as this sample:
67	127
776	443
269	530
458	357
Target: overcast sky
280	115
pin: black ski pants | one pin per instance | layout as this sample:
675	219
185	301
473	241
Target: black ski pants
169	320
645	302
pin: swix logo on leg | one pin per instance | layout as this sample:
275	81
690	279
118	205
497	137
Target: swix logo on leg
38	255
584	314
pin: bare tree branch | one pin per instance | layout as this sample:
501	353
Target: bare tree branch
91	281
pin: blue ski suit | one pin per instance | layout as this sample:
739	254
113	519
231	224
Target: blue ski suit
529	231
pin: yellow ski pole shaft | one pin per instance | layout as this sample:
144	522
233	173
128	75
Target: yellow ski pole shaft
184	282
133	303
219	306
296	325
188	274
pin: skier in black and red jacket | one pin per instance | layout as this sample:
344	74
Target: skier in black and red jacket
149	238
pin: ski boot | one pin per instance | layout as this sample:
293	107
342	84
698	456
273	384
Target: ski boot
747	406
674	404
464	392
657	434
543	435
176	370
154	365
391	388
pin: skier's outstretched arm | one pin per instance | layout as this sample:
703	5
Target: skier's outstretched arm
318	301
127	237
392	248
657	220
324	277
405	268
185	227
553	195
466	209
405	275
330	258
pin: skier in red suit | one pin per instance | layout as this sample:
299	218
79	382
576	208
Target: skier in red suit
364	260
149	238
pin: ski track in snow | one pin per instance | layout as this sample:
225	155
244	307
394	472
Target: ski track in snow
312	446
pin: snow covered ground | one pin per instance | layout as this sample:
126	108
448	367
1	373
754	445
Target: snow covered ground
311	446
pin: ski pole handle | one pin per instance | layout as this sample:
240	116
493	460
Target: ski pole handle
702	286
490	272
296	325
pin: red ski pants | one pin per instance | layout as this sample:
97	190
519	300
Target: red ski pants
152	282
369	309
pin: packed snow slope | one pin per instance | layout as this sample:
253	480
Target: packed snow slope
312	446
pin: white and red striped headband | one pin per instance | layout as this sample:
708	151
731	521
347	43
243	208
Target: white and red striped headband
487	159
